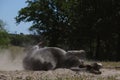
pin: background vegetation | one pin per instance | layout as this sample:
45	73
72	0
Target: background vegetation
92	25
7	39
4	37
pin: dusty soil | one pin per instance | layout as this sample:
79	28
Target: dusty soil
58	74
11	69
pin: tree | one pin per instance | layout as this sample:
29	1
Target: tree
2	24
4	37
78	24
47	20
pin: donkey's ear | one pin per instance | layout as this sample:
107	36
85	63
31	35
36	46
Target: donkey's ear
41	44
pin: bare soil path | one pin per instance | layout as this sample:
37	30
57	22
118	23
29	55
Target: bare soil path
60	74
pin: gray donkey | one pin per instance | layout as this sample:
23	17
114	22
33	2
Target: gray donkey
48	58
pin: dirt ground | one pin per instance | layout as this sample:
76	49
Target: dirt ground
11	69
58	74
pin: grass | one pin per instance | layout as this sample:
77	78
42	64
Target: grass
111	64
12	50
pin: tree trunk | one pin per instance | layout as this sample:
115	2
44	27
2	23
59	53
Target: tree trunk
118	48
97	57
91	53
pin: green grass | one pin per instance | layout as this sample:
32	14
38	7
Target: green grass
111	64
13	51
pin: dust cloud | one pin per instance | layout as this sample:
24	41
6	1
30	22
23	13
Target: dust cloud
10	61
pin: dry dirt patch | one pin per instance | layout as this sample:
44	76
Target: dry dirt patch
11	69
58	74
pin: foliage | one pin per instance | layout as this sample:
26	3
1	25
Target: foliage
2	24
4	37
23	40
77	24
